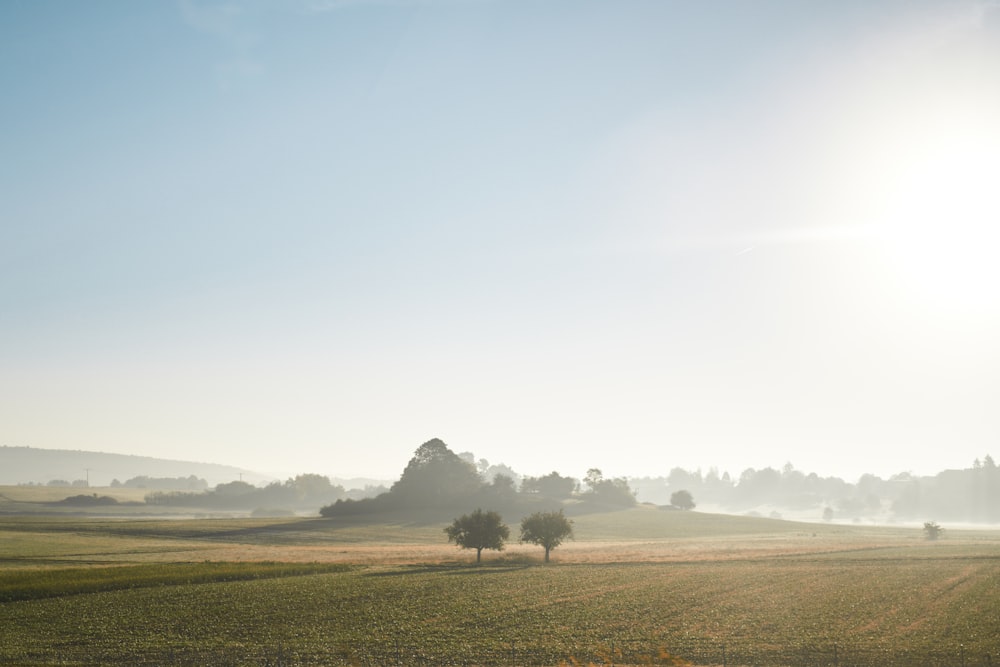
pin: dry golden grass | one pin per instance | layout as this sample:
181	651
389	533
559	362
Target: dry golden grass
48	494
29	549
34	542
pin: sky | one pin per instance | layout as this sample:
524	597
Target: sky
310	235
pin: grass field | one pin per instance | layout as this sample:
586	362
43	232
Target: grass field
44	494
711	589
44	501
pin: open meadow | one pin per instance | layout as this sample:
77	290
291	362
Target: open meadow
641	586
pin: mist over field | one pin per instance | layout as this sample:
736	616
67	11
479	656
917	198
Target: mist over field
970	495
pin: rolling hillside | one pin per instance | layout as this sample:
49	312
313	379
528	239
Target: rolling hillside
24	465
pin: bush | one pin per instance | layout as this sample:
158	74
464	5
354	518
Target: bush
932	530
87	501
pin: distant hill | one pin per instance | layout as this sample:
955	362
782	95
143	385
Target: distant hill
23	465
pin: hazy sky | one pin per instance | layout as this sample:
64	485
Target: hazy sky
307	236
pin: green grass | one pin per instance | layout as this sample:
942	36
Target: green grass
764	592
20	585
400	528
456	614
645	522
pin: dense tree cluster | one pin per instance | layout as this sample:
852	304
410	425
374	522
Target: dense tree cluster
614	492
435	477
438	479
552	485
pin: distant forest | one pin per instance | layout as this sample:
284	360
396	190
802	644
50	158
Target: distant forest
438	478
302	492
971	494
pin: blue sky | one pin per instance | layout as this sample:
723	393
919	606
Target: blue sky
309	236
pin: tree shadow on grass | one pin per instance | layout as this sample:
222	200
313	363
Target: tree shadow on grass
460	569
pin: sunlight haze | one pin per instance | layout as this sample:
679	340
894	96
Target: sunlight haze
308	236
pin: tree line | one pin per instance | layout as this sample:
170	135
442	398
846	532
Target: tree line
189	483
436	478
306	491
970	494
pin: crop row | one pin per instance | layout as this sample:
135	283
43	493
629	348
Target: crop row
527	614
16	585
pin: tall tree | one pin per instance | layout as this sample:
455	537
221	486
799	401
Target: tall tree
546	529
479	530
435	477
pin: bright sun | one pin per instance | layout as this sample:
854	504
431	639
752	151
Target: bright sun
939	217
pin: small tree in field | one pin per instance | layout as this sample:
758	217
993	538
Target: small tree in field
932	530
546	529
682	500
479	530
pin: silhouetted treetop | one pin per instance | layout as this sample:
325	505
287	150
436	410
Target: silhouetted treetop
608	491
682	500
479	530
552	485
436	476
546	529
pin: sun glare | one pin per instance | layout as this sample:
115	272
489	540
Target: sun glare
940	220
